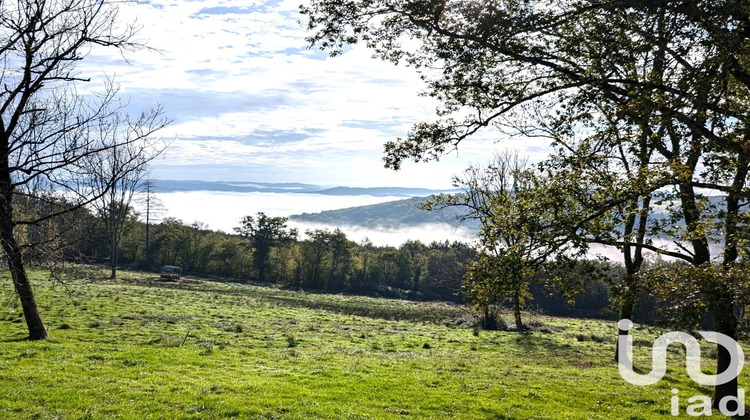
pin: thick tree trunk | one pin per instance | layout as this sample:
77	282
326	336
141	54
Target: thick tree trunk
726	323
626	312
37	331
34	323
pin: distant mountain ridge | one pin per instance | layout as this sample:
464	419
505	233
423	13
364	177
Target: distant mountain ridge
169	186
391	215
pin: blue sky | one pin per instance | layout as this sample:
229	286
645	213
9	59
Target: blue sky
250	102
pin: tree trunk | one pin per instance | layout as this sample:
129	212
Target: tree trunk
37	331
148	223
726	323
517	310
114	255
261	273
626	312
627	306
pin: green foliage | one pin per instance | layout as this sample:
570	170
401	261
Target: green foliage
519	233
264	234
328	260
664	85
688	292
325	260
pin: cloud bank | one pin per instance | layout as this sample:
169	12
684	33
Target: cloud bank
251	102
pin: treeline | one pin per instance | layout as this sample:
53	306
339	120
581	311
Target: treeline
264	250
319	259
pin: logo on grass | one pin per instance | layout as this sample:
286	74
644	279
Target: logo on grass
692	365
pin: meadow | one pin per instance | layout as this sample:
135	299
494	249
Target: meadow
135	348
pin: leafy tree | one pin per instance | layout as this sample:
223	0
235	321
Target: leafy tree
412	258
264	234
519	231
387	269
171	240
327	260
284	262
613	180
342	261
365	255
229	257
510	64
313	255
444	269
197	251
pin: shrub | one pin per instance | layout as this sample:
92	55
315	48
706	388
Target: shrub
291	342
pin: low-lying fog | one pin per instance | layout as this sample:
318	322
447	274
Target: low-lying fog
223	211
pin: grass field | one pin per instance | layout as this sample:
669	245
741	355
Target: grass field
136	349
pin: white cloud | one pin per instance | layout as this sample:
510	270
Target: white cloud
245	93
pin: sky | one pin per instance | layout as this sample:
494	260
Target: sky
250	101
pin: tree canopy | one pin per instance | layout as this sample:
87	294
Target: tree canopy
666	82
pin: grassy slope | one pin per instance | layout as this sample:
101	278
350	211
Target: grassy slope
116	351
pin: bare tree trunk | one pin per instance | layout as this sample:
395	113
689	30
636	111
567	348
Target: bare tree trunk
113	255
148	222
37	331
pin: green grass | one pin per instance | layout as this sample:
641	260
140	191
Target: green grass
138	349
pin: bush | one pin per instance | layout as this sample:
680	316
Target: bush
492	320
291	342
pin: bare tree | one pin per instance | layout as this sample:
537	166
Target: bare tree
153	209
48	131
116	175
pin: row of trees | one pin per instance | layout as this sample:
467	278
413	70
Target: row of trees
264	249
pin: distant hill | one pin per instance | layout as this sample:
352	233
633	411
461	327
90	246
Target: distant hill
404	213
391	215
167	186
380	191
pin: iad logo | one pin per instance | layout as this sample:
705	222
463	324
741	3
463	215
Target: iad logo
692	364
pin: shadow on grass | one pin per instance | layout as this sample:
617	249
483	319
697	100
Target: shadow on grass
535	341
20	339
385	309
434	314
